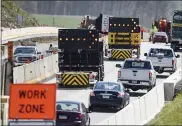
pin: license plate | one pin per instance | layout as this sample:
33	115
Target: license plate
62	117
105	96
134	82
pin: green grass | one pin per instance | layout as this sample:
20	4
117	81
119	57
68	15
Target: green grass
9	13
59	20
171	113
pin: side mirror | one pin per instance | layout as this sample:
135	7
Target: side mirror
145	54
177	56
38	52
118	65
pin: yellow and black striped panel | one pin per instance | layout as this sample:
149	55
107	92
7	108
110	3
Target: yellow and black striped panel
124	38
121	54
75	79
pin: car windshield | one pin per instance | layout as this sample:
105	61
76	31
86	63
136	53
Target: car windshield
108	86
67	106
24	50
137	64
157	52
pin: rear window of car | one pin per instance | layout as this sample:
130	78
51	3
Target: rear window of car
160	33
67	106
157	52
108	86
137	64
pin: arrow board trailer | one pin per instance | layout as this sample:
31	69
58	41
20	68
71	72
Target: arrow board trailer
124	38
80	58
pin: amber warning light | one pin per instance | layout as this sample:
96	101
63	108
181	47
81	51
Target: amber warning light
32	101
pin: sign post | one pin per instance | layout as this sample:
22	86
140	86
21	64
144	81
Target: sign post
10	51
32	101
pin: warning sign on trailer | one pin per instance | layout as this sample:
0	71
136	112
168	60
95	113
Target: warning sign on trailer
32	101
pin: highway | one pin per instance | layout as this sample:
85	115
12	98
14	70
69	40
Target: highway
110	75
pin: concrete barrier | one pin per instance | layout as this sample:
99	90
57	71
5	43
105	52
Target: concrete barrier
19	74
30	72
141	111
4	110
36	71
29	32
171	84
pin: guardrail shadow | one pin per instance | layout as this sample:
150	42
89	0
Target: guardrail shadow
162	76
136	94
105	110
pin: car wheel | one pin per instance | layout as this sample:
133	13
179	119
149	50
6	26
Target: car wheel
154	84
88	122
91	109
128	102
150	88
121	107
153	42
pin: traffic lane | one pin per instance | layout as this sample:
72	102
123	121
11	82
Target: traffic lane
66	94
110	75
83	94
111	70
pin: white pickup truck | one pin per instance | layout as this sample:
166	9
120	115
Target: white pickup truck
163	59
137	74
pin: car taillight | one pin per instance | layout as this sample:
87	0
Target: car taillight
79	116
120	95
150	75
92	94
119	74
91	76
173	62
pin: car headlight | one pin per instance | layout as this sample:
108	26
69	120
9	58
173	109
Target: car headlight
15	58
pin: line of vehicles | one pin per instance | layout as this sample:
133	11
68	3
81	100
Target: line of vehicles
81	64
167	31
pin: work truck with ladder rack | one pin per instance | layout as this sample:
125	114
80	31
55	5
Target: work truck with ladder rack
80	58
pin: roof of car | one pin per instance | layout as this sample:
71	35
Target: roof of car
163	47
135	59
105	82
25	47
68	101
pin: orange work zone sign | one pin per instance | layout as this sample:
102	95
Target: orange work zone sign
32	101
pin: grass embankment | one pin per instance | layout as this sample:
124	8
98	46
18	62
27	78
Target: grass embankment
171	113
9	13
59	20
